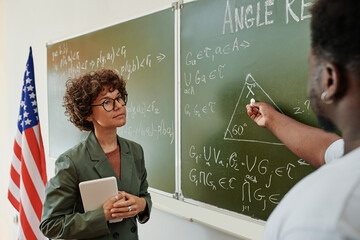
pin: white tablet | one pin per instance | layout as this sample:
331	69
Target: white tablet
94	193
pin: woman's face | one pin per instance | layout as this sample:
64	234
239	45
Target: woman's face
103	119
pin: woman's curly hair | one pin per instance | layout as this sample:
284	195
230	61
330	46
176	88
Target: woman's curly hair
82	91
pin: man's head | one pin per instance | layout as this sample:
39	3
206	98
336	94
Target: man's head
335	32
335	57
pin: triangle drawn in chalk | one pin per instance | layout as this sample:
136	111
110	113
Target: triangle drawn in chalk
241	127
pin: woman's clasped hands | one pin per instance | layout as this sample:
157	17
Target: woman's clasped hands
123	205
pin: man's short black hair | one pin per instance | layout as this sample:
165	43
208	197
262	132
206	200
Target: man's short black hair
335	32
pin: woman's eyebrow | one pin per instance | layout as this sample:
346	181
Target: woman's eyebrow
107	97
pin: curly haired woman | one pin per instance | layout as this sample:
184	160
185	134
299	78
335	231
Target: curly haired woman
96	102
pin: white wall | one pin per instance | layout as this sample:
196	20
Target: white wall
5	143
179	229
34	23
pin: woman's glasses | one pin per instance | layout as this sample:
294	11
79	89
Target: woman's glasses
109	103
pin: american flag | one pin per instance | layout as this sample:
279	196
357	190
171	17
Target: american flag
28	170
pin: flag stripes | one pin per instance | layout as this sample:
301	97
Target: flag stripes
28	170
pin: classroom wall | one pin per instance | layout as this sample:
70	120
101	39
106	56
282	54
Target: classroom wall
6	221
35	23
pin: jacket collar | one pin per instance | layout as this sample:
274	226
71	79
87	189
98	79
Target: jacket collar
103	166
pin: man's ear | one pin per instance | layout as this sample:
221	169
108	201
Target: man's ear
333	85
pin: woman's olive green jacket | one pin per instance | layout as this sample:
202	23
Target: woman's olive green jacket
63	214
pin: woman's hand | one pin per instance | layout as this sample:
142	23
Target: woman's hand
131	207
108	205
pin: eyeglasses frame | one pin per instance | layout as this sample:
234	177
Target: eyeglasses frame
125	99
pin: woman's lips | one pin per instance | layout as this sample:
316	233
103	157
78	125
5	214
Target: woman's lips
119	115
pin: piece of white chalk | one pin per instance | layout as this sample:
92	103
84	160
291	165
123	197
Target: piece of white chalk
252	102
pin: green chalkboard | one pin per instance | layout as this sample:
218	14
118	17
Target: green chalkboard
232	51
142	51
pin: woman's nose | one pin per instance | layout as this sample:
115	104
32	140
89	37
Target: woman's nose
117	104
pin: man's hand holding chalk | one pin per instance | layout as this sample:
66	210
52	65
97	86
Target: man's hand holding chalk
260	112
252	110
252	102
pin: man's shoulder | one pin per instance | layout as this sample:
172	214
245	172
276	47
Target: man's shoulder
334	151
317	200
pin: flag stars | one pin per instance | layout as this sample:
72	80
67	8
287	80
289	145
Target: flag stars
30	88
34	103
35	110
22	103
32	95
27	122
26	114
28	80
20	118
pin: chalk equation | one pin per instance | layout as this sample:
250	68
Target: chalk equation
156	129
144	109
249	175
117	57
211	53
196	80
197	110
150	122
